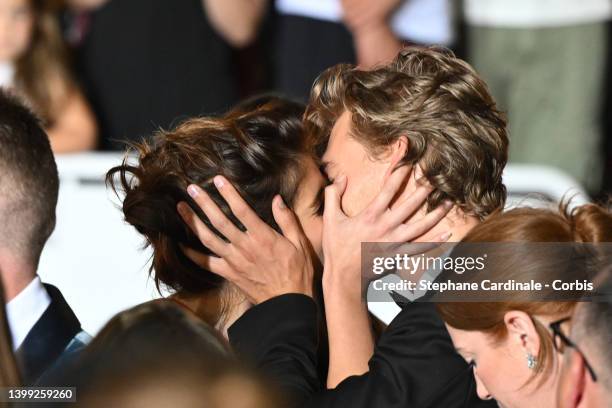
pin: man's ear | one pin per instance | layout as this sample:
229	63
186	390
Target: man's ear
399	149
397	152
522	333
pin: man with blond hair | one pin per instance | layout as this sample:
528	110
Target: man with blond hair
415	151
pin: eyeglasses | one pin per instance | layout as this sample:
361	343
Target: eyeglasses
560	340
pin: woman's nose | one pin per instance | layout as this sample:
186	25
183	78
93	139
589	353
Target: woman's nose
481	390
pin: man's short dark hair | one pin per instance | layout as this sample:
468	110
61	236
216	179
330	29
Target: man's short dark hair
29	182
592	328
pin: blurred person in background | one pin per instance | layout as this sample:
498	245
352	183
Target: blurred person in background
544	62
313	35
33	64
159	355
148	64
508	341
262	147
42	324
9	375
586	376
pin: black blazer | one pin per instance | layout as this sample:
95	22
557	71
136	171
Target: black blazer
414	362
48	338
147	64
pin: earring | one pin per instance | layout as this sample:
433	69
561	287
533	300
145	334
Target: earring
531	361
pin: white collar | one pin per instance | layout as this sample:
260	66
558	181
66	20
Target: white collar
7	74
25	309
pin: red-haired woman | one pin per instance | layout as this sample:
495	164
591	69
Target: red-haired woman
511	342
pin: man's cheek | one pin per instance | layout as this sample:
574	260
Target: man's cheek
354	200
348	201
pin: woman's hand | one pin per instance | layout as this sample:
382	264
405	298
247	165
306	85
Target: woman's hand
261	262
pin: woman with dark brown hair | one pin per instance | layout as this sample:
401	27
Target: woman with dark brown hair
9	376
261	147
509	341
33	64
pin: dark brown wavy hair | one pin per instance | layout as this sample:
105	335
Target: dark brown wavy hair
440	104
258	146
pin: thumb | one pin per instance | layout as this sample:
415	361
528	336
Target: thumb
333	197
286	220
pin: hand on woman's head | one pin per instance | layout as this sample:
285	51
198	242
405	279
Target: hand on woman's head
259	146
260	261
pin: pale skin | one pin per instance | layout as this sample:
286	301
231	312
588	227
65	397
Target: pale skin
500	368
73	125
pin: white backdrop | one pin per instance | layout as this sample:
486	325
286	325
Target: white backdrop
97	260
93	256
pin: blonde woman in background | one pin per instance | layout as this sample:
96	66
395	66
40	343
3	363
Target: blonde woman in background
33	65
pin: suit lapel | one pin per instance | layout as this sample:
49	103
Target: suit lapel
48	338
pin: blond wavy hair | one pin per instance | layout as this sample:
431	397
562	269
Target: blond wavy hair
439	103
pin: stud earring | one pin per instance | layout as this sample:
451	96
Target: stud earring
531	361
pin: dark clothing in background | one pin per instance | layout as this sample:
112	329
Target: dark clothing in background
305	47
147	64
414	362
53	335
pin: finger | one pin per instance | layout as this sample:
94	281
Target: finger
391	186
208	238
407	208
239	207
333	197
413	230
286	220
414	248
213	264
216	217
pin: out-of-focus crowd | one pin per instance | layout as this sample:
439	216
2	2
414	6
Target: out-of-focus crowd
105	72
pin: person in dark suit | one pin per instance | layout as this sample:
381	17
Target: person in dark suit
400	145
43	326
147	64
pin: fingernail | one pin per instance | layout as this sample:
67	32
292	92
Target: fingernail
218	180
448	204
180	208
193	191
280	203
444	237
340	179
